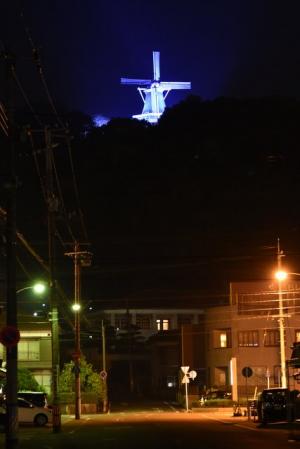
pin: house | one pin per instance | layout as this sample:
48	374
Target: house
34	348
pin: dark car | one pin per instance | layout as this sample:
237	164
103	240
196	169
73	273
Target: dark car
217	394
278	404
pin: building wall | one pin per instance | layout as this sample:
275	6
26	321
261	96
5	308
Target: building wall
162	327
252	337
35	354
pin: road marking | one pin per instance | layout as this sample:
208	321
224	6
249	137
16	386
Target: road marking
245	427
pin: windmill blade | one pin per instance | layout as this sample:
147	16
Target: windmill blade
156	66
169	85
135	82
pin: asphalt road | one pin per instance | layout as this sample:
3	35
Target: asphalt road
158	426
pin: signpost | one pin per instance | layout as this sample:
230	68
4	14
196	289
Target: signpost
247	372
186	380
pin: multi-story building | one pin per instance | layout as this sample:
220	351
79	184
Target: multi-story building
34	349
217	342
246	334
145	362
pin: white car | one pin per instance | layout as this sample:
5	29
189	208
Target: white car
30	413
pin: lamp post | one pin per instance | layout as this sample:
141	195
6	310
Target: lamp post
38	288
76	310
80	258
281	276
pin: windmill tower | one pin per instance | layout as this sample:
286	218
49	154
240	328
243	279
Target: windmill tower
154	92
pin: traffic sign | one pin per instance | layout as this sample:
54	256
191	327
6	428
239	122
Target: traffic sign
103	374
185	380
192	374
185	369
9	336
247	371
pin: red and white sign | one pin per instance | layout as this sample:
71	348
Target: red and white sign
103	375
9	336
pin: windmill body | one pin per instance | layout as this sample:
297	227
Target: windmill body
154	92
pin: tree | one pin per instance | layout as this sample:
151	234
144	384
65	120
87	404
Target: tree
26	381
90	381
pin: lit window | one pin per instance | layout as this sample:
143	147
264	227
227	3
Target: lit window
165	325
297	335
222	338
162	324
29	350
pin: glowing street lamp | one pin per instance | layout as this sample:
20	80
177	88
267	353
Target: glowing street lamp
281	275
38	288
76	307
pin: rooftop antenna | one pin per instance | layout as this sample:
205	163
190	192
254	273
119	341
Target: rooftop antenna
154	92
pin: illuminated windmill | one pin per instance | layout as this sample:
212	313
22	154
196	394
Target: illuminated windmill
155	92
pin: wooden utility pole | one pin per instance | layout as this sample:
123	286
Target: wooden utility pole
281	320
12	426
78	258
104	372
52	205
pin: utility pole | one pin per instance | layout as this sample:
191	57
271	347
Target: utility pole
281	320
79	258
52	205
12	425
104	372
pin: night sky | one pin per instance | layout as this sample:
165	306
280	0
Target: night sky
225	48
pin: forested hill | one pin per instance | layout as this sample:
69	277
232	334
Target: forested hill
192	203
211	186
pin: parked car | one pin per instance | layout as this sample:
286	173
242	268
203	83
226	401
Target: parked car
217	394
278	404
37	398
29	413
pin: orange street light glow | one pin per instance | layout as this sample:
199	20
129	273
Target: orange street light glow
281	275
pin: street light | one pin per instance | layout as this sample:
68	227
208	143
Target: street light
76	309
281	275
38	288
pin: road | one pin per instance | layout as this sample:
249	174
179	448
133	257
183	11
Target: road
158	425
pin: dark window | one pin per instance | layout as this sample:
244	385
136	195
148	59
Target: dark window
143	321
271	337
248	339
184	319
122	321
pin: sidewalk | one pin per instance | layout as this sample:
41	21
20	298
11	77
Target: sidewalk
225	414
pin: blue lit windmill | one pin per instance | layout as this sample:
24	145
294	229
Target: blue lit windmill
154	92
